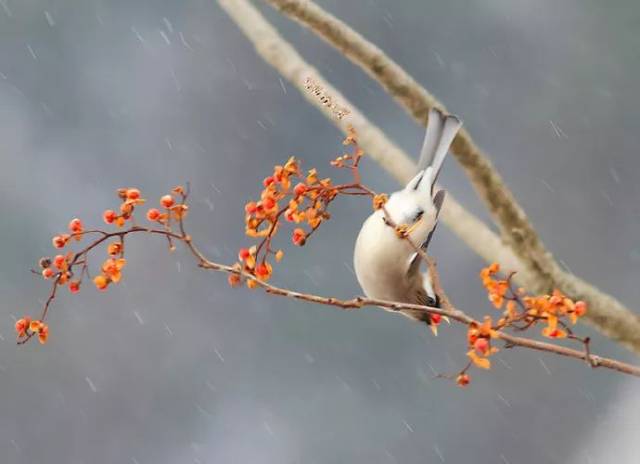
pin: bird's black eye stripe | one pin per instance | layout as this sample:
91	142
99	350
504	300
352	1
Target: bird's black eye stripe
418	215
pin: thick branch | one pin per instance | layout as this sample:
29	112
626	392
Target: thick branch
606	313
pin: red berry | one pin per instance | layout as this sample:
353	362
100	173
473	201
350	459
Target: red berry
435	318
269	203
463	380
299	237
59	241
153	214
75	225
74	286
133	194
48	273
251	207
262	270
59	261
109	216
243	254
167	201
268	181
300	189
481	345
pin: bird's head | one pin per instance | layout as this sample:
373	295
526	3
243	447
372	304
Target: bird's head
413	206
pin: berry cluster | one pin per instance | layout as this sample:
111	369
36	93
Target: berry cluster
69	269
519	312
300	198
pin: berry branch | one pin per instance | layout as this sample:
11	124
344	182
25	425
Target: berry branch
306	205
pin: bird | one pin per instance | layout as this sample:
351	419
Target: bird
387	266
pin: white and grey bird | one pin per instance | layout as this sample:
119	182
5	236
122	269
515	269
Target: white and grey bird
387	266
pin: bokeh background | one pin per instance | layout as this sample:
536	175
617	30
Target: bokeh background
173	366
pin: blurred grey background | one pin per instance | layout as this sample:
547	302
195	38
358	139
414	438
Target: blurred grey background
173	366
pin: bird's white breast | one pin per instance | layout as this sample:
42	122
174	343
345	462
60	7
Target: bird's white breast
381	260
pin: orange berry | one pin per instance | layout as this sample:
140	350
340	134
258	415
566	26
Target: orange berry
243	254
269	203
101	282
22	325
133	194
153	214
109	216
299	237
59	261
74	286
34	326
43	333
234	280
481	345
48	273
167	201
75	225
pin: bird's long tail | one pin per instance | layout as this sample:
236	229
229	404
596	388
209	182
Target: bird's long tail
441	130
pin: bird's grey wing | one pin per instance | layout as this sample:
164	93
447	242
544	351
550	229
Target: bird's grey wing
438	201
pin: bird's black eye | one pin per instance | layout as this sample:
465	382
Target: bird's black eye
418	215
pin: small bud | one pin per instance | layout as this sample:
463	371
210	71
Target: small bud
44	262
234	280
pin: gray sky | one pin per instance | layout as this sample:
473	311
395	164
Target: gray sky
172	366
